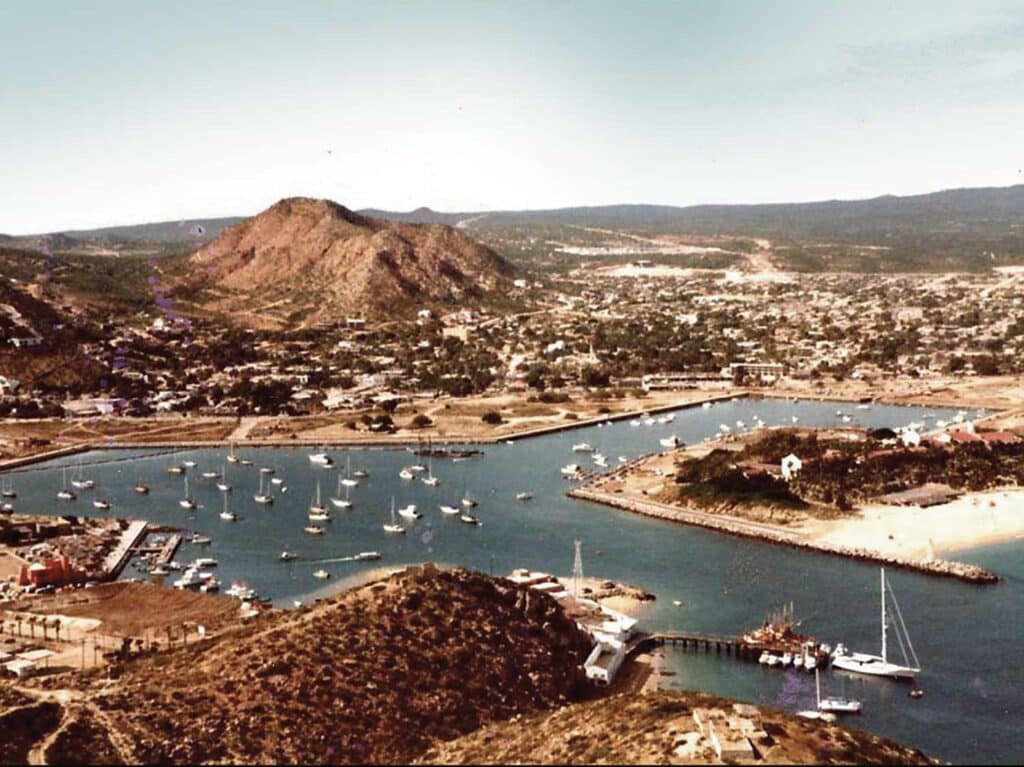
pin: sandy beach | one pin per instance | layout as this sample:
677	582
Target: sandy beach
974	519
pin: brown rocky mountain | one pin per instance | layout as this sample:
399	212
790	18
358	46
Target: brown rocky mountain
303	260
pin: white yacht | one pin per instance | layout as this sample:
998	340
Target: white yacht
322	460
64	494
360	473
430	480
347	481
226	515
223	485
409	512
210	475
317	507
189	464
231	457
99	503
449	509
879	665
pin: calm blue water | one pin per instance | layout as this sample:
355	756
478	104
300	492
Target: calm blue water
966	636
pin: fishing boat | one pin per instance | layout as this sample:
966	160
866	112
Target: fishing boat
223	485
393	526
286	556
314	530
321	574
64	494
524	496
263	496
836	704
101	504
337	500
449	509
188	502
409	512
879	665
347	481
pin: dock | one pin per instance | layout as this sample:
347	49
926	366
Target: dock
118	558
735	646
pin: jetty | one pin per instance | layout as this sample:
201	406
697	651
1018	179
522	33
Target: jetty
119	556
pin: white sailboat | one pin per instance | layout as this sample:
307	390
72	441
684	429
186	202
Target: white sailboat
879	665
226	515
348	481
817	713
79	481
188	502
263	496
231	457
836	704
64	494
430	479
8	490
393	526
223	485
337	500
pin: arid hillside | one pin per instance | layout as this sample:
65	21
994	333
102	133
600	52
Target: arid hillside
304	259
374	675
660	728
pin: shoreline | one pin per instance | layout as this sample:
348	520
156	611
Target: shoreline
780	536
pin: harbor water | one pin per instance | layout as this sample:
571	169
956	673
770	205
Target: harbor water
965	635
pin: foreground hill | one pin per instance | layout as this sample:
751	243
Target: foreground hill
660	729
304	259
374	675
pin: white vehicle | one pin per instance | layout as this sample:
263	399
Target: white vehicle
879	665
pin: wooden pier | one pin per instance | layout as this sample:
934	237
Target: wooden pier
709	642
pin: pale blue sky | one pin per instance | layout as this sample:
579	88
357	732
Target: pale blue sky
125	112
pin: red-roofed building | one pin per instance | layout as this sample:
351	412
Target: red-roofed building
999	437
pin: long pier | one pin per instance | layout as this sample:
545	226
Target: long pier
118	558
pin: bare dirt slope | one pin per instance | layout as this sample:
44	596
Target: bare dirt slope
304	259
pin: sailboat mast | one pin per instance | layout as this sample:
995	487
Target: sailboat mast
817	687
884	657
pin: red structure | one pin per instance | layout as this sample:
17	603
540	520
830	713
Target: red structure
55	572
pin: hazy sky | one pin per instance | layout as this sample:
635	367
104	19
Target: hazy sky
126	112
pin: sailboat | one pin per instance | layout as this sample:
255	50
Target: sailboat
64	494
231	457
337	500
223	485
263	496
430	479
393	526
228	516
348	481
835	704
879	665
79	481
317	511
8	490
818	712
188	502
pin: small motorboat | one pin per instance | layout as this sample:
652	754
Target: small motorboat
142	489
367	555
101	504
210	475
314	530
524	496
189	464
409	512
582	447
469	519
321	574
449	509
405	474
286	556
